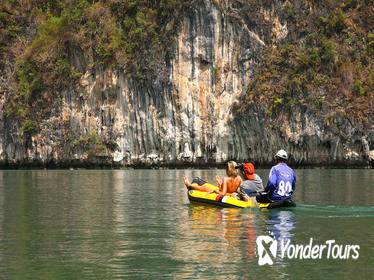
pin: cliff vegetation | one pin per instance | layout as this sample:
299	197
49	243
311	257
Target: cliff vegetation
65	57
325	63
44	41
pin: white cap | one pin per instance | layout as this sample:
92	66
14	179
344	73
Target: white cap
282	154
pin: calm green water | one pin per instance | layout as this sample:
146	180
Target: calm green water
139	224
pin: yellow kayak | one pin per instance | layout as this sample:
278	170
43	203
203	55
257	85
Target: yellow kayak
221	200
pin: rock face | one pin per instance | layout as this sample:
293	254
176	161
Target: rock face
188	117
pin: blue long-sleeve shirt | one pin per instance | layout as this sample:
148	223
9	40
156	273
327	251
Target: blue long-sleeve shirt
282	182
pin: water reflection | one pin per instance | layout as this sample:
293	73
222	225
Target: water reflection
139	224
220	236
280	224
231	233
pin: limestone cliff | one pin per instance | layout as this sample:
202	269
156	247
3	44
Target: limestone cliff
188	117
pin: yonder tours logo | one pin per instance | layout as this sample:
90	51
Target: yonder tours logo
267	250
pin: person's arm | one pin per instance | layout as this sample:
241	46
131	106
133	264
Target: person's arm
218	180
224	186
271	171
272	183
212	191
261	185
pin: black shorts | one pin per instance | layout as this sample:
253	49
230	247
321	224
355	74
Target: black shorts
263	198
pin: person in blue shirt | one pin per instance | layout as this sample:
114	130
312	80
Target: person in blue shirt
282	181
